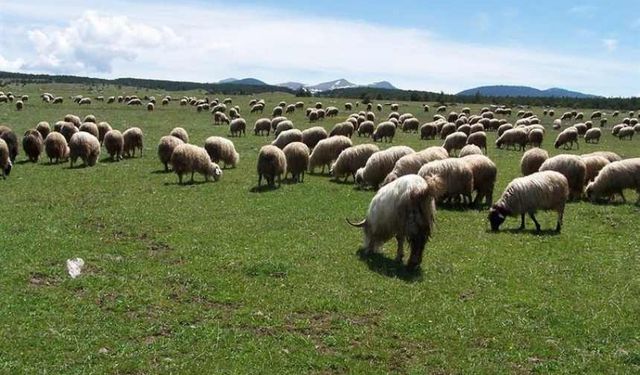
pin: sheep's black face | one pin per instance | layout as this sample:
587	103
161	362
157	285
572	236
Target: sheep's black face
417	243
496	218
556	145
7	170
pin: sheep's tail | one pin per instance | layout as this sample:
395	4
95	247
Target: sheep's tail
359	224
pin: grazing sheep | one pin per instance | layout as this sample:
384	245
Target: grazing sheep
103	128
343	128
516	137
348	106
19	105
188	158
332	111
238	126
470	149
222	150
447	129
43	128
567	137
465	128
503	128
379	165
385	130
272	163
57	100
114	143
535	137
150	107
547	190
395	115
297	155
592	135
616	128
282	126
328	150
410	125
456	176
614	178
352	159
165	148
313	116
91	128
11	139
478	139
626	132
133	139
532	160
75	120
572	167
428	130
594	165
56	148
84	101
484	177
411	163
455	142
32	144
277	111
313	135
262	125
394	107
366	128
85	146
89	118
286	137
5	160
68	130
404	209
611	156
277	120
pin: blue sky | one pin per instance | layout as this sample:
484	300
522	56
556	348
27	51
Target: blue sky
590	46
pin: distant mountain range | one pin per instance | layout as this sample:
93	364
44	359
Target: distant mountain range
320	87
525	91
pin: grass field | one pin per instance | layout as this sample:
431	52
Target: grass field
214	278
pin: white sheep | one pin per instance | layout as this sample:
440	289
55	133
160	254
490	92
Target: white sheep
352	159
328	150
516	137
455	142
180	133
222	150
167	144
114	143
188	158
594	164
272	163
286	137
379	165
614	178
567	137
572	167
85	146
56	148
593	135
133	140
297	155
484	177
456	176
411	163
532	160
385	130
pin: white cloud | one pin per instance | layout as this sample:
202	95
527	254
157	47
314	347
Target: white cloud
10	65
610	44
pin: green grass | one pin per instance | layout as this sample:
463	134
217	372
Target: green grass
211	278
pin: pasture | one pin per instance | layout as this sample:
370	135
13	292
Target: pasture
215	278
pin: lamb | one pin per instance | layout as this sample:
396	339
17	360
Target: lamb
478	139
286	137
165	148
532	160
5	161
428	131
272	163
411	163
484	177
614	178
32	144
567	137
626	132
379	165
343	128
180	133
133	139
114	143
572	167
456	176
313	135
366	128
455	141
592	135
297	155
91	128
262	125
188	158
470	149
535	137
352	159
385	130
328	150
547	190
611	156
222	150
238	126
55	146
404	209
85	146
516	137
282	126
594	165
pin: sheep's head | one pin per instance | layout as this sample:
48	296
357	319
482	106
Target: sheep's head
497	216
215	171
7	169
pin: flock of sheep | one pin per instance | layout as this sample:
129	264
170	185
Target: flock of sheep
409	183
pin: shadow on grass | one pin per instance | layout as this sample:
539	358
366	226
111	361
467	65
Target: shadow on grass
264	188
25	161
109	160
161	171
530	232
187	183
389	267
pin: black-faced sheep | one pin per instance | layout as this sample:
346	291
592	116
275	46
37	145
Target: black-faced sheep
188	158
222	150
403	209
272	163
85	146
547	190
297	155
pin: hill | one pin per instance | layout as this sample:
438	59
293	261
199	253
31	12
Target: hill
523	91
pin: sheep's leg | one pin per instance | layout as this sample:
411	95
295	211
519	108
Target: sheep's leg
622	196
400	251
559	224
259	179
533	217
522	222
180	178
192	176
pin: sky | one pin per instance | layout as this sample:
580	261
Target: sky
590	46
